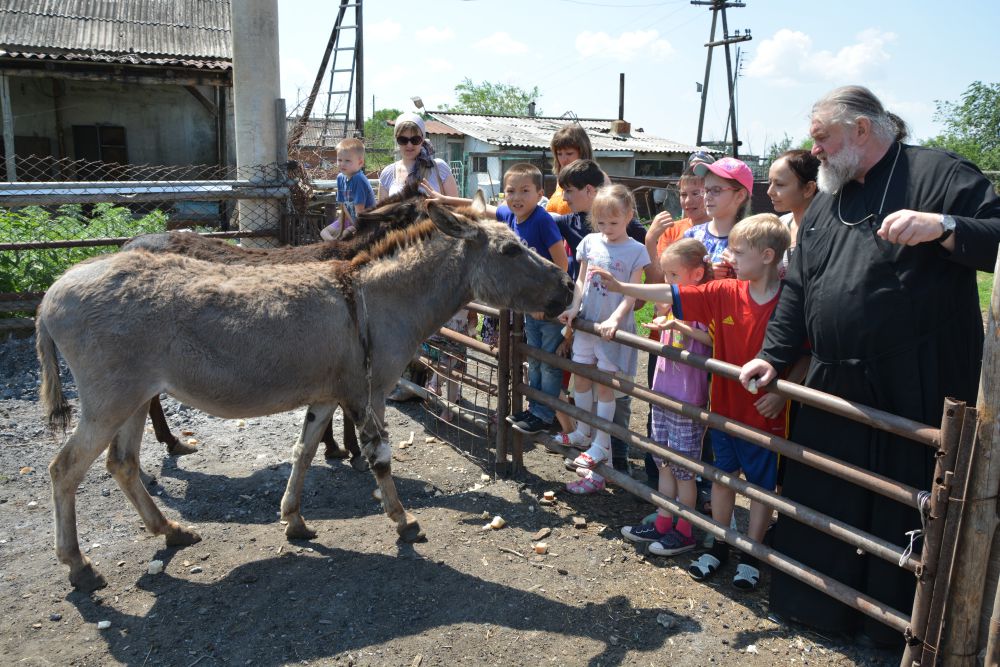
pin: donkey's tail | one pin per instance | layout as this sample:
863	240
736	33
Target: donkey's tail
51	393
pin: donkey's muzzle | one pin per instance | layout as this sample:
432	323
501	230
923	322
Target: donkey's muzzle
560	303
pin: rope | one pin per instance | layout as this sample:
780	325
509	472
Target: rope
923	502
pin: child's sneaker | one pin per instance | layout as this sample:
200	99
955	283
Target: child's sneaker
531	425
646	532
672	543
520	416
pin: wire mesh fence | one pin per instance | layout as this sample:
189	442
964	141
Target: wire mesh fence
62	211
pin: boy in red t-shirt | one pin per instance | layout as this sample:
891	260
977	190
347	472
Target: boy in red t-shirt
736	312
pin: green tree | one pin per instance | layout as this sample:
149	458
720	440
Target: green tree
499	99
972	125
779	147
379	139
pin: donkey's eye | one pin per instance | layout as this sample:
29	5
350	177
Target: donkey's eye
512	249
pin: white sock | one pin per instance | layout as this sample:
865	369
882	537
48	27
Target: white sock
583	400
605	410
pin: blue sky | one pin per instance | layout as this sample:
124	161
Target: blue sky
910	53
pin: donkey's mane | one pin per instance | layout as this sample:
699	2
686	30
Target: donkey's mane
394	241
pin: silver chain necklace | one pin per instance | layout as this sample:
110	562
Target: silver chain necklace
899	148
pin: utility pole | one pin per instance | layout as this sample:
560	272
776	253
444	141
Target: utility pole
717	7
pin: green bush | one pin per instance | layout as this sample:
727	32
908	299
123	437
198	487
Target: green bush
36	270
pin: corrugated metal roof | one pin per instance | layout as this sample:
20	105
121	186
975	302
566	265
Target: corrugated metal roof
312	134
537	131
187	32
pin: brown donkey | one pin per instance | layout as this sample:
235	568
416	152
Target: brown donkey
136	324
395	212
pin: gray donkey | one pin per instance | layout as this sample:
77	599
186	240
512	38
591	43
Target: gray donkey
395	212
135	324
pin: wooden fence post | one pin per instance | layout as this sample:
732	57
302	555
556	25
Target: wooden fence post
962	640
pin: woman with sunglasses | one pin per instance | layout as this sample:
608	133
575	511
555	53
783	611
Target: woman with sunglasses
417	163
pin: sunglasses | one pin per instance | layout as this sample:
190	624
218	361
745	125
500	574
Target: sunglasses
416	140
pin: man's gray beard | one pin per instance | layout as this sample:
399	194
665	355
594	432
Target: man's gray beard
839	169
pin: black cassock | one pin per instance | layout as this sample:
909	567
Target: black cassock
895	327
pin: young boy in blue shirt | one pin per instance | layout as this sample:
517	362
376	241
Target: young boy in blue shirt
354	192
522	187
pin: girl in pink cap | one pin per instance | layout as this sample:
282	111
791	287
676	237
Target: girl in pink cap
728	184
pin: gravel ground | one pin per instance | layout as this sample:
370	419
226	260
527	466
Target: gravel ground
353	595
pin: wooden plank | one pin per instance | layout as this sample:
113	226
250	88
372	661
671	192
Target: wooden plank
961	640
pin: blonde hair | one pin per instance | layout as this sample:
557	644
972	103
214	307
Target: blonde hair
614	198
351	145
762	231
571	135
692	253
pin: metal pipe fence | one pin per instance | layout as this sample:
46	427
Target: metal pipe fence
941	506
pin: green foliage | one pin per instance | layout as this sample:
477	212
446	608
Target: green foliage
36	270
379	139
972	125
499	99
779	147
642	316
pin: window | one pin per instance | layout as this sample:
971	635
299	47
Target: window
659	167
479	164
100	143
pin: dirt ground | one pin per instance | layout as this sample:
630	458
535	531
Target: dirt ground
353	595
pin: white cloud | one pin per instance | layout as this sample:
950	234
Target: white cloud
625	47
432	34
501	43
789	58
388	75
382	31
439	65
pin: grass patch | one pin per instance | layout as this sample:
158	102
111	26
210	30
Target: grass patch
985	283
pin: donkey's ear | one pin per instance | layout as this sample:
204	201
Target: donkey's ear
449	223
479	203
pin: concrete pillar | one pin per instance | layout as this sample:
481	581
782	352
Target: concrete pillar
256	86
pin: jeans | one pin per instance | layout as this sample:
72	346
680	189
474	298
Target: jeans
548	379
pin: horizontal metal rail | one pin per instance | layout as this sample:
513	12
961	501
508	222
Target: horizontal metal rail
834	527
885	421
92	196
105	186
902	493
835	589
121	240
483	309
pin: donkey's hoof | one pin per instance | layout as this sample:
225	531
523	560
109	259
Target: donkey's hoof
178	448
298	530
411	533
333	452
181	537
359	463
87	579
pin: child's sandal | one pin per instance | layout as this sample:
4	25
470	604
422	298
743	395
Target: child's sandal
746	577
704	567
585	486
574	439
590	461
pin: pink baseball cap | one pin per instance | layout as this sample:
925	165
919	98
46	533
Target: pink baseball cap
730	168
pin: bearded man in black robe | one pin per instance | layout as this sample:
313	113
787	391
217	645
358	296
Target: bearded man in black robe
882	285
